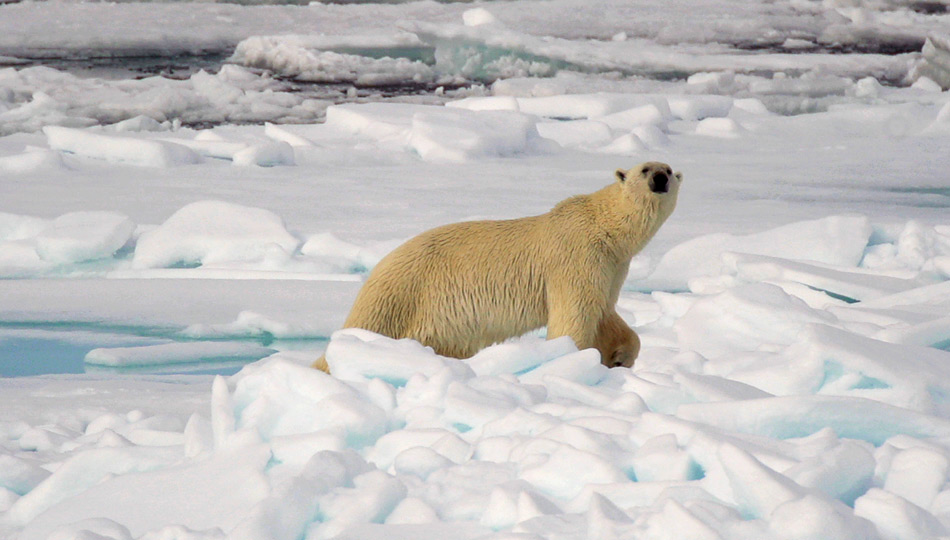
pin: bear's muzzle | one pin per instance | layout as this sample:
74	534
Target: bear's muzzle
660	183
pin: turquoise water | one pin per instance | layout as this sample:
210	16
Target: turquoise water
20	357
33	351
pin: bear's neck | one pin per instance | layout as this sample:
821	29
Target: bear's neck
628	231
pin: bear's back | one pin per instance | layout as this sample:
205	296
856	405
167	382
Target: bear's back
459	287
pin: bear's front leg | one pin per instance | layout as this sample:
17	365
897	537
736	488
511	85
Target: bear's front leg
618	344
575	308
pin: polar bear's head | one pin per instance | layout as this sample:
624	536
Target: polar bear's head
653	177
652	185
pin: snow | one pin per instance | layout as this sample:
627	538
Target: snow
209	232
158	223
117	150
82	236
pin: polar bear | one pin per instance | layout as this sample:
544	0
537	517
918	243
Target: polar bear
461	287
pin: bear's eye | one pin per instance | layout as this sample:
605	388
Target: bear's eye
645	170
669	171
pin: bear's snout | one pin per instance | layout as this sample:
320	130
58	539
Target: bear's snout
660	183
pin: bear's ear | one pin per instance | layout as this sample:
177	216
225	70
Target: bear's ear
621	175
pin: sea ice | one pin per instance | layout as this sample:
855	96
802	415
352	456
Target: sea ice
133	151
837	240
173	353
83	236
792	382
209	232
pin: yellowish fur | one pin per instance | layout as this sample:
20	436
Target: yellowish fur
464	286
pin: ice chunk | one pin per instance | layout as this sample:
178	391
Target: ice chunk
175	353
576	133
16	227
651	135
673	520
30	161
896	518
477	17
583	367
588	468
726	128
139	123
293	503
444	134
661	459
590	106
222	491
355	354
757	316
645	115
379	121
917	474
129	150
693	108
83	236
836	240
936	55
868	87
519	356
843	472
486	103
326	245
848	284
412	510
798	416
625	145
301	57
209	232
812	517
758	490
420	461
454	136
83	471
282	134
19	475
389	447
506	508
373	498
926	84
265	155
838	362
278	397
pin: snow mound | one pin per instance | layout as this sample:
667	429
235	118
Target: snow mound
128	150
83	236
326	246
29	244
837	240
214	232
719	127
439	134
30	161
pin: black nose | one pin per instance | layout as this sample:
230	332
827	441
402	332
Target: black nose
660	182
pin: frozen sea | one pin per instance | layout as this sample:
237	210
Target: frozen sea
191	195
